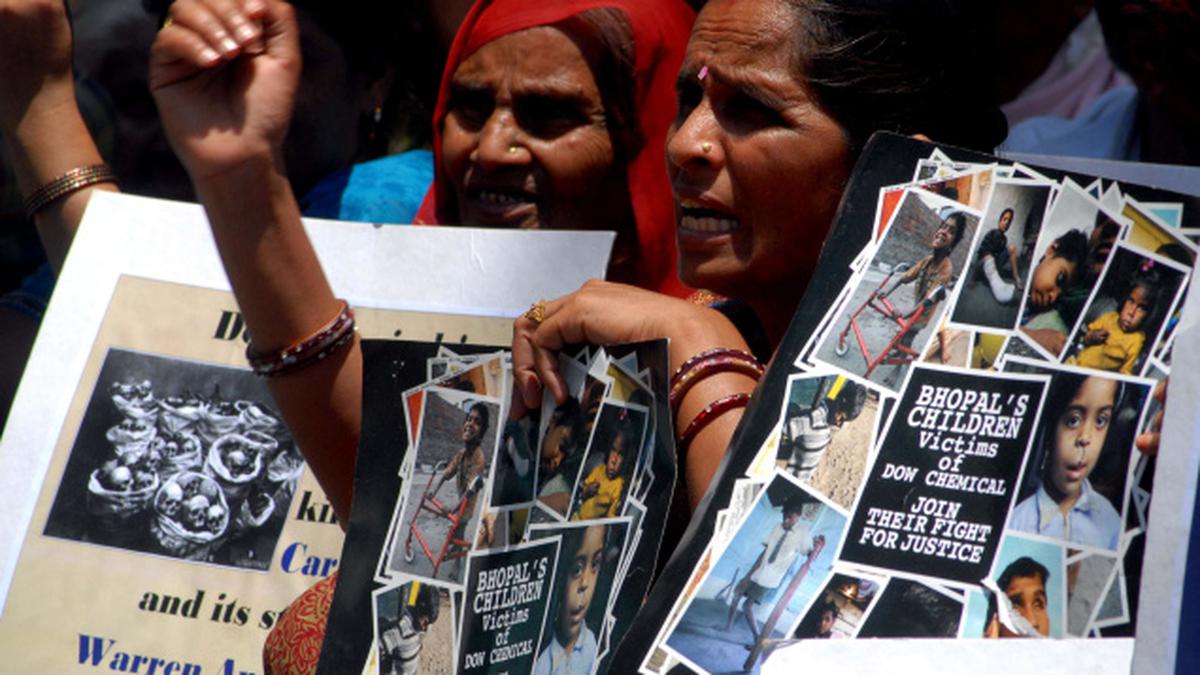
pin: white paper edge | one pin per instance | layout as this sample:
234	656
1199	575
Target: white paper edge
171	241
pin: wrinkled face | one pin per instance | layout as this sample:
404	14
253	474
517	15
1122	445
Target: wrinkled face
472	429
1005	220
525	141
1051	277
1028	596
1079	434
826	624
756	165
1134	310
581	582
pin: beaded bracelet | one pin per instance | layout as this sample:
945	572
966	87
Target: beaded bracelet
710	362
71	181
316	347
704	417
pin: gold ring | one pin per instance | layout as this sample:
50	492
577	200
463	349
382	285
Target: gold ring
706	147
537	312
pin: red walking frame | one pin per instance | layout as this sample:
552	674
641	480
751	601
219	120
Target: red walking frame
454	547
896	352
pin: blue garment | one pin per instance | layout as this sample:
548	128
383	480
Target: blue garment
1092	521
1107	129
385	190
31	297
554	660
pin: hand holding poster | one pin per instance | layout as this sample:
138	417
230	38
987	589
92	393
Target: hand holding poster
992	384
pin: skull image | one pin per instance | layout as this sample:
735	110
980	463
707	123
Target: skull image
197	512
191	489
117	479
144	479
216	518
170	500
238	462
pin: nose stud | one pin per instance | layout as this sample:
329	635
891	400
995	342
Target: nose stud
512	149
706	147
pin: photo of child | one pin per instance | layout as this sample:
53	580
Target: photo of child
1126	314
902	291
1027	597
565	438
1074	485
583	583
1072	251
999	267
839	609
608	467
758	588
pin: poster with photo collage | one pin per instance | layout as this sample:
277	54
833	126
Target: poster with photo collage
486	541
945	441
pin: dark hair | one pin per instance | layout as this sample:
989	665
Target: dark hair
623	434
829	607
605	37
395	32
1011	214
883	64
485	416
793	506
1064	386
850	400
427	603
1150	281
960	220
1072	246
1023	567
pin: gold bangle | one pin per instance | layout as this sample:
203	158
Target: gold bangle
68	183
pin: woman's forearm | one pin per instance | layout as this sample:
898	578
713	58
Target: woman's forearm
284	296
50	140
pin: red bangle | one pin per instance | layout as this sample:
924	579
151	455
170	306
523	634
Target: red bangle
316	347
711	412
717	361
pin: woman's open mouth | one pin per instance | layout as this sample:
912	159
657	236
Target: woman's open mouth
695	218
499	206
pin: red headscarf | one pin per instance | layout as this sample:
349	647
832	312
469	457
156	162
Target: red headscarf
660	34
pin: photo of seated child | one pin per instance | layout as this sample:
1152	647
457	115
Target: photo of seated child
608	466
1074	484
1126	314
999	266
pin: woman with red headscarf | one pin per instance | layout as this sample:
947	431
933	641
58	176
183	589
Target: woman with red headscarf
550	114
